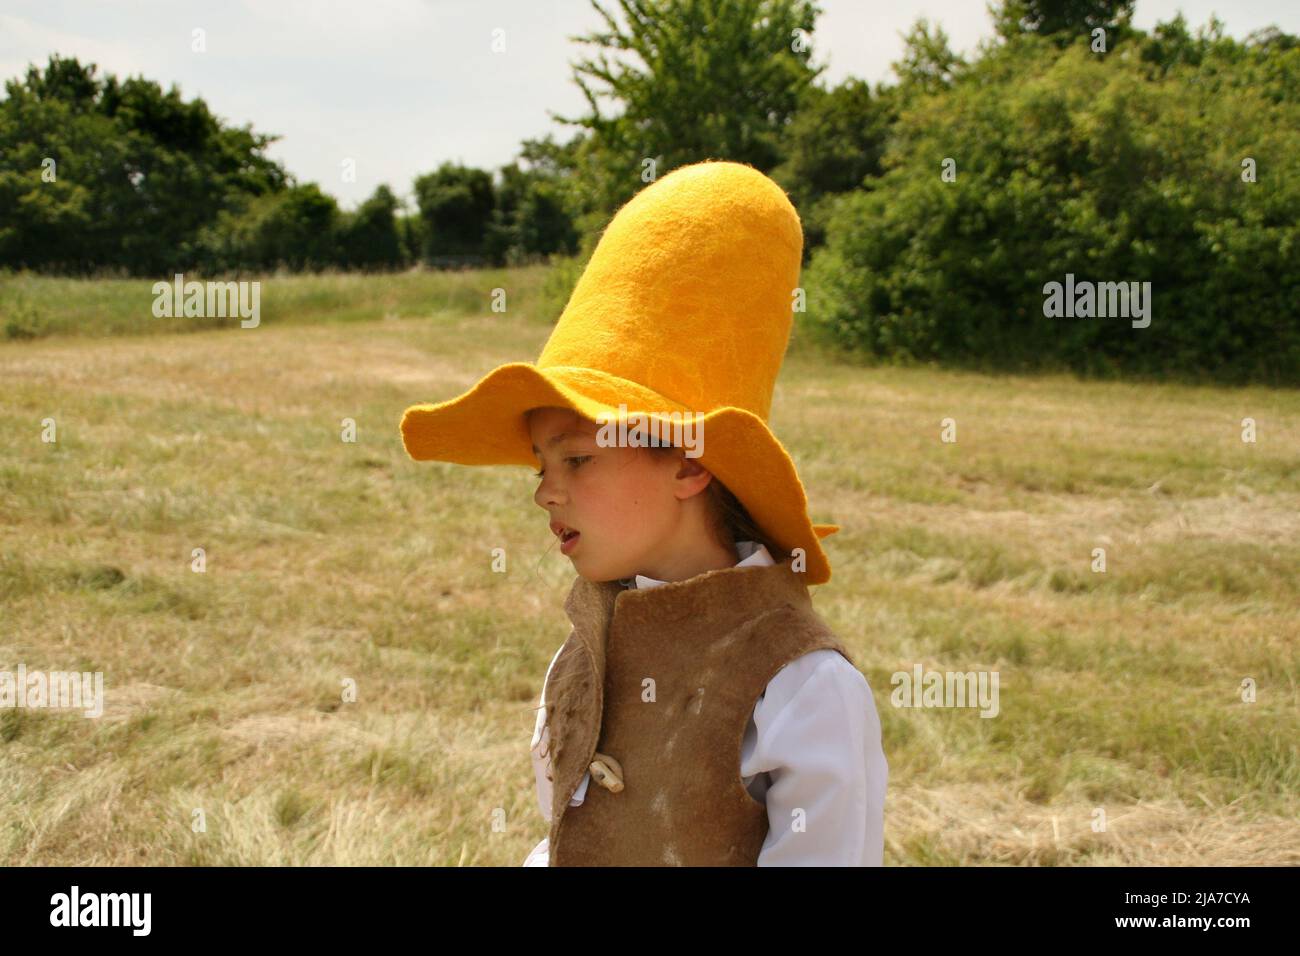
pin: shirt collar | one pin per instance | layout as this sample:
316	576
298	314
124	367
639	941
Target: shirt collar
749	553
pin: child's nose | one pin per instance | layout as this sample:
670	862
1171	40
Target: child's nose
548	493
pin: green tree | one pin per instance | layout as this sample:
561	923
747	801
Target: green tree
296	229
1063	20
1171	44
691	80
834	142
1267	62
456	204
102	173
368	236
531	219
928	64
410	233
1073	163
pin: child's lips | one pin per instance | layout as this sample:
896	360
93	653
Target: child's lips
569	541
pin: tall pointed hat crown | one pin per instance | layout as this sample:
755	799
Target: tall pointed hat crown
684	308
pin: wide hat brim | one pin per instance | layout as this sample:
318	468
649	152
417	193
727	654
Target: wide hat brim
486	426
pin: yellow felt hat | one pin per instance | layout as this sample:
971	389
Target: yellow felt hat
685	307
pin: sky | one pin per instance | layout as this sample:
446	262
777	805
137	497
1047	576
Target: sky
365	92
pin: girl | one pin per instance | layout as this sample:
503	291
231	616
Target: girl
700	712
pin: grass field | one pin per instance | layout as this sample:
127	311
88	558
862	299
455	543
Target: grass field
329	561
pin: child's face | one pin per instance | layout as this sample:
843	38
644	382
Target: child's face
616	511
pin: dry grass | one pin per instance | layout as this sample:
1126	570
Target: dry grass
330	562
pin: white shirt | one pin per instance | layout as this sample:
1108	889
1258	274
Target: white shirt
811	752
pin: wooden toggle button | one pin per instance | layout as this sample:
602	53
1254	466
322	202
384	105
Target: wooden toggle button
605	770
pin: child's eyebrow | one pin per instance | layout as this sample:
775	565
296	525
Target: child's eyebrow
556	439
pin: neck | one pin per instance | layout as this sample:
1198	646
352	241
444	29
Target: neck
711	600
688	562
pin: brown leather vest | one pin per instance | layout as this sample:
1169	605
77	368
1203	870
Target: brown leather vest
664	680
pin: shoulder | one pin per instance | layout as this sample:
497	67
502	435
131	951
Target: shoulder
818	721
819	692
821	668
793	629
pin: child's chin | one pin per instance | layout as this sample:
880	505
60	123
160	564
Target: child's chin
596	575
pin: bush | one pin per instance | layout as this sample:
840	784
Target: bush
1084	164
296	228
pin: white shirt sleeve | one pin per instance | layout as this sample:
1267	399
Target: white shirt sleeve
540	855
818	740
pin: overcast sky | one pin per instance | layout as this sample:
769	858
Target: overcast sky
399	86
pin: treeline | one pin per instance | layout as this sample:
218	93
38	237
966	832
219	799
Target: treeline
100	174
936	208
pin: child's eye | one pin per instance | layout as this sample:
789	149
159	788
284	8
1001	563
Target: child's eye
576	458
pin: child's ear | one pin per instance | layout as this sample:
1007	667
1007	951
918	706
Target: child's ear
691	468
692	475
